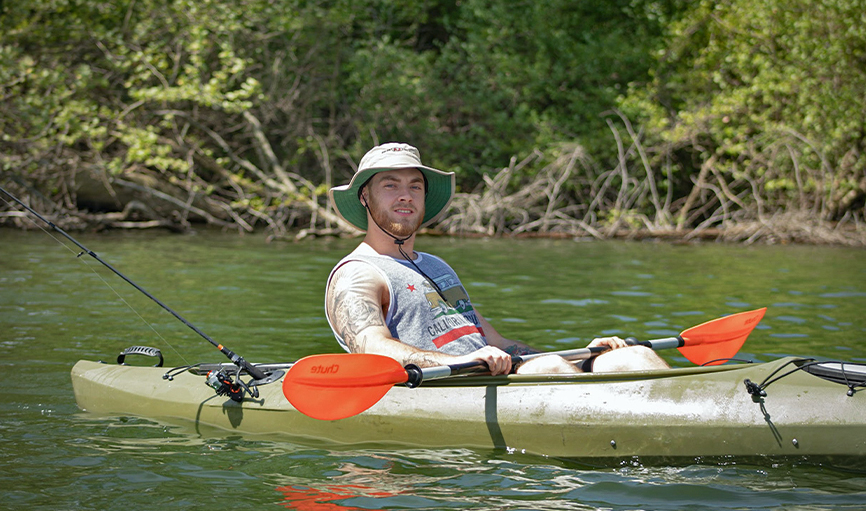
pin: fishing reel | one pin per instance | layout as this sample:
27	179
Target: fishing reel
223	384
226	380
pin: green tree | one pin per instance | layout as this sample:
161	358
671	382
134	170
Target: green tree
504	78
764	100
246	110
167	99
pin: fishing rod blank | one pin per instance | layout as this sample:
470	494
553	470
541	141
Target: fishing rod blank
239	361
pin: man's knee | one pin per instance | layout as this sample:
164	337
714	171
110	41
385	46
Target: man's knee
633	358
549	364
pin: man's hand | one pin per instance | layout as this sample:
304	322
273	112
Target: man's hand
611	342
497	360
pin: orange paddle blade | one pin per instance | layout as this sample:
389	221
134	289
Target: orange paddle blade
715	341
331	387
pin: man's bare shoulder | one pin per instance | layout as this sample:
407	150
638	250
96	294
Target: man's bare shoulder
355	300
356	276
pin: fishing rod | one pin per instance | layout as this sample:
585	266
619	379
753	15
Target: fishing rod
259	377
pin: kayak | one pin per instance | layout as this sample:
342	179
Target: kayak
787	407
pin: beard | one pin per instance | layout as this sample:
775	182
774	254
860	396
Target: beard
401	228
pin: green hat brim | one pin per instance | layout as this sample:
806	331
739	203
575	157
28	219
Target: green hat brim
440	191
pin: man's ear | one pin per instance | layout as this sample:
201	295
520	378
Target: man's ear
362	196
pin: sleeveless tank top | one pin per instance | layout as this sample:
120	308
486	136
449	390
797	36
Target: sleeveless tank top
417	315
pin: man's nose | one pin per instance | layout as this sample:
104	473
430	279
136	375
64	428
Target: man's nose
405	194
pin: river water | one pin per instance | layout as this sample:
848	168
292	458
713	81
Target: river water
264	300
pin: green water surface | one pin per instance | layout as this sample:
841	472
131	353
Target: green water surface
265	302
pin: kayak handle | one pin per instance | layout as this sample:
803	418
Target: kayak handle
140	350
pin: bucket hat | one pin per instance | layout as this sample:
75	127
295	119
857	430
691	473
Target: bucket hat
392	156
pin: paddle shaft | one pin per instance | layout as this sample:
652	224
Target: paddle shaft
417	375
236	359
331	387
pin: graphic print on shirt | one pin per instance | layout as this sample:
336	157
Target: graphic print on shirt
455	294
452	319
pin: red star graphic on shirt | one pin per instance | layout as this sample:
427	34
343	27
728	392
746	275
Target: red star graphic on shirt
410	287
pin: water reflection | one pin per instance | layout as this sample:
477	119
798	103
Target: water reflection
328	498
466	480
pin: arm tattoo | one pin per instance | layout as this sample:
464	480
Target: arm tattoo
354	314
422	359
514	349
356	299
354	304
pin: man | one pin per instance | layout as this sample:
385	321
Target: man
388	299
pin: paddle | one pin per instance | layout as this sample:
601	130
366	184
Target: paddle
336	386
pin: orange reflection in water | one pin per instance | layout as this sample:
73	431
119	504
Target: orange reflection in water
313	499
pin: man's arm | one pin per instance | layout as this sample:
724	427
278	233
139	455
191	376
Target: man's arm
513	347
355	302
357	298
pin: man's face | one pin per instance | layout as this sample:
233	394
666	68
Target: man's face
396	200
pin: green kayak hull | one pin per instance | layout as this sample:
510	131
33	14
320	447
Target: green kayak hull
683	412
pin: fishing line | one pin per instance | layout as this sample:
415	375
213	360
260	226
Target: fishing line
257	374
107	284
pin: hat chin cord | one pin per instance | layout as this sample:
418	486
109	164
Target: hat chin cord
399	243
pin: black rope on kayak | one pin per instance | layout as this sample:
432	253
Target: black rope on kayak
754	389
843	375
759	390
171	373
851	386
716	361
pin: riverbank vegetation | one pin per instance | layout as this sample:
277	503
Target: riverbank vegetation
730	120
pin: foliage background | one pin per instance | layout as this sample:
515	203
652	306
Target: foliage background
727	118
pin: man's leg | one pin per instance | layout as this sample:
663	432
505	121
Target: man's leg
548	364
633	358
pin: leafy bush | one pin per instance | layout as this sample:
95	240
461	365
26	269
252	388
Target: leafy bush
768	96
